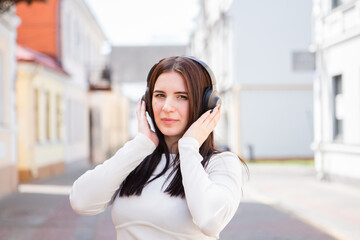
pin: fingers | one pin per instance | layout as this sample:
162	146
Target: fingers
210	113
138	109
201	128
204	116
141	115
143	109
213	116
215	120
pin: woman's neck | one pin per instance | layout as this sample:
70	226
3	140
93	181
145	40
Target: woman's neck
172	144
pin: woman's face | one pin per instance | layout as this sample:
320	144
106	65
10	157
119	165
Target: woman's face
171	105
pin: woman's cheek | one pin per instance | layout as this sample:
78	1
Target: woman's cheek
155	106
156	111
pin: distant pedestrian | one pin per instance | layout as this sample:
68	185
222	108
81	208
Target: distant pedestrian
170	183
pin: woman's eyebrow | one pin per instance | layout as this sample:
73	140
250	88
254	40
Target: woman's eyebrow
158	91
179	92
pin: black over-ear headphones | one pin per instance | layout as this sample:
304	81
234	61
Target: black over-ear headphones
210	98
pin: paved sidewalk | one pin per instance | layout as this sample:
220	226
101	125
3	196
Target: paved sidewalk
280	202
41	211
329	206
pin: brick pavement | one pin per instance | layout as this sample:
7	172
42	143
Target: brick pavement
39	216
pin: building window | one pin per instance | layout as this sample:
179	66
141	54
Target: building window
338	107
78	43
335	3
77	33
2	100
58	117
48	115
67	35
36	115
69	125
75	121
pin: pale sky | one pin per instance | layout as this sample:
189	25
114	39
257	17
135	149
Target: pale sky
146	22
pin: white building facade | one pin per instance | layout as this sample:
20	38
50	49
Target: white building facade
8	127
336	42
259	53
81	40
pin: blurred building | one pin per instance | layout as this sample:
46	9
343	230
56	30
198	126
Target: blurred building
109	123
259	53
130	66
336	42
109	117
66	34
8	154
85	55
40	110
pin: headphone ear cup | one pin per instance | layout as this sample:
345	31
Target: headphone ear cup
145	99
214	100
210	99
205	99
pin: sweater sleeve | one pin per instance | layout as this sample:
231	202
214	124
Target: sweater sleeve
213	195
92	192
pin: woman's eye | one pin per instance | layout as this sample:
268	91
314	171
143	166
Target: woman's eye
183	97
159	95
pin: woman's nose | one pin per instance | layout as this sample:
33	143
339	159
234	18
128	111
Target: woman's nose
168	105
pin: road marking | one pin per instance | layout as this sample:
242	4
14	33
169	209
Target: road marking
45	189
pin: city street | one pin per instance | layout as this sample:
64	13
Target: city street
285	73
280	202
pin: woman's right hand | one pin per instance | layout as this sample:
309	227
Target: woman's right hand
143	125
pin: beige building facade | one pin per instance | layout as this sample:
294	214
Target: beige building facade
40	108
109	123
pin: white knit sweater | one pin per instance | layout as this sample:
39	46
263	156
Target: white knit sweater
212	195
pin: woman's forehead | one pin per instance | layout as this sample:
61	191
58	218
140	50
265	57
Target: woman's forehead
170	81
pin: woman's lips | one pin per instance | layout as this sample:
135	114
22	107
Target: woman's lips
169	121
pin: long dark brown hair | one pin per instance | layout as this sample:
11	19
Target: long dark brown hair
196	81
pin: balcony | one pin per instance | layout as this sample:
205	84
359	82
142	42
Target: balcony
5	5
99	79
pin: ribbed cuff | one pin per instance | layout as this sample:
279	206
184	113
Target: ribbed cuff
189	142
147	142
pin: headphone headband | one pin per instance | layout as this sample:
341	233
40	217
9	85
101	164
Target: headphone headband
207	68
203	64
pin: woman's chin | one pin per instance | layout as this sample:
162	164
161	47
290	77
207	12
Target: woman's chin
172	133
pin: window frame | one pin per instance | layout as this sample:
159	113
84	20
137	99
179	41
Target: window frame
338	124
2	90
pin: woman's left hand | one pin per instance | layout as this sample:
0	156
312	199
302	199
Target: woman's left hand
202	127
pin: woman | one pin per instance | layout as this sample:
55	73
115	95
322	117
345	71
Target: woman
171	183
